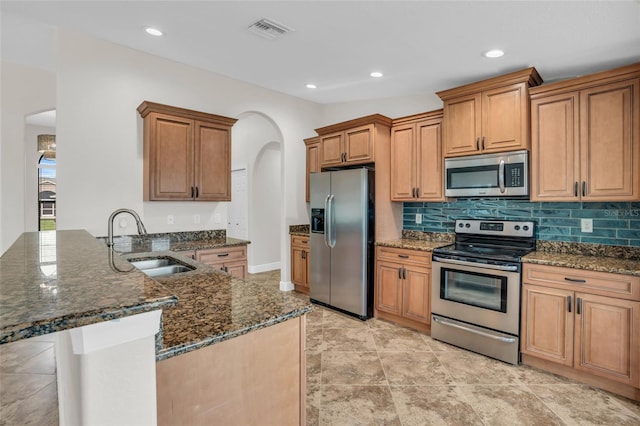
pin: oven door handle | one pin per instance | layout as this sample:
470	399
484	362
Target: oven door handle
501	176
471	330
510	268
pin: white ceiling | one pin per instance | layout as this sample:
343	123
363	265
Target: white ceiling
420	46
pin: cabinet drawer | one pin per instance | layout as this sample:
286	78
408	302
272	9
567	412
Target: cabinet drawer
404	255
603	283
223	254
299	241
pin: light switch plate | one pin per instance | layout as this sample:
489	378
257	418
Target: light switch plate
586	225
418	218
170	219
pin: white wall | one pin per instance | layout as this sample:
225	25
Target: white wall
25	90
99	135
257	146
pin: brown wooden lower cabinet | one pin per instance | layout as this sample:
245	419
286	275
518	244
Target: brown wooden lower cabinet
232	260
403	287
300	263
258	378
585	323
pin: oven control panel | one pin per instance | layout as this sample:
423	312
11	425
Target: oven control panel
506	228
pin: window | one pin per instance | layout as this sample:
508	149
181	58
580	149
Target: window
47	192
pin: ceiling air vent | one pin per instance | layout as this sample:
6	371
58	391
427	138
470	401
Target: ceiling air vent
269	29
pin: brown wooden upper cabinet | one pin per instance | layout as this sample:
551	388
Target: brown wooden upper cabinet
488	116
351	142
313	161
586	138
416	158
187	154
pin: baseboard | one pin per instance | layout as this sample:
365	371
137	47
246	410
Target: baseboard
265	267
286	286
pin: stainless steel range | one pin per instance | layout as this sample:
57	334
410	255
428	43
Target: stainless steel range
476	287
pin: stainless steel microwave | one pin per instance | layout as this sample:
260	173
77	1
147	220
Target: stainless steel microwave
505	174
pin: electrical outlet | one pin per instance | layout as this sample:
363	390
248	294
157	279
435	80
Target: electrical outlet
586	225
170	219
418	218
196	219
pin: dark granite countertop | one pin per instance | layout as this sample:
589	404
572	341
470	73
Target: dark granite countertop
57	280
214	306
408	243
300	230
177	241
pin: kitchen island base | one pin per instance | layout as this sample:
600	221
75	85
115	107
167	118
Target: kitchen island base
254	379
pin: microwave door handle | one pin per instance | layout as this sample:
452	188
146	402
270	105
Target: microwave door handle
501	176
475	264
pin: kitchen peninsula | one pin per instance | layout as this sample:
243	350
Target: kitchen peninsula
67	282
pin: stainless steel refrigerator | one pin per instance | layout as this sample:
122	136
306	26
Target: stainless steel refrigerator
342	238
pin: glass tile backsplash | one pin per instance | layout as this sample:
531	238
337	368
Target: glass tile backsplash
613	223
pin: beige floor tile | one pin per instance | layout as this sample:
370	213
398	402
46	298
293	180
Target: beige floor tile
15	354
314	318
348	339
350	405
414	368
583	405
314	367
39	408
313	404
531	375
470	368
509	405
433	405
315	341
42	363
333	319
375	323
352	368
399	339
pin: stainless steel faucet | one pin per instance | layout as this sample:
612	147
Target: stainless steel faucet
141	229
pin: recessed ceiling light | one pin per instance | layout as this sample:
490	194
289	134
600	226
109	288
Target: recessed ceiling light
376	74
495	53
311	86
153	31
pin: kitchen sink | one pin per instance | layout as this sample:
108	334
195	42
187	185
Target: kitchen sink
159	266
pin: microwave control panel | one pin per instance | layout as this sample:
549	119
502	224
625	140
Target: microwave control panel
514	175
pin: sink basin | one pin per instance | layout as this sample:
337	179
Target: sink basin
159	266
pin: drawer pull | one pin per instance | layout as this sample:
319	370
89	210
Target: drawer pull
403	256
578	306
569	304
305	241
575	280
223	255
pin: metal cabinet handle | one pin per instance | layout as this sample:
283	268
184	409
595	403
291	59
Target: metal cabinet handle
305	241
575	189
578	306
575	280
483	142
399	273
584	188
223	254
477	144
192	192
417	192
500	175
304	254
197	195
404	273
569	304
403	256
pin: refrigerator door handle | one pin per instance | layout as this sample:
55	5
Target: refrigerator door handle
330	234
326	220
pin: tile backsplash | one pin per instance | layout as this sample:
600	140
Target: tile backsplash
613	223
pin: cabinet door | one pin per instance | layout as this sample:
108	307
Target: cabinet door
331	150
358	145
298	265
429	168
610	142
237	269
389	287
505	115
608	338
313	164
462	122
417	294
555	153
171	158
403	162
547	323
213	162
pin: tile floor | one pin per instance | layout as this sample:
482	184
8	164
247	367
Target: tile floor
368	373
